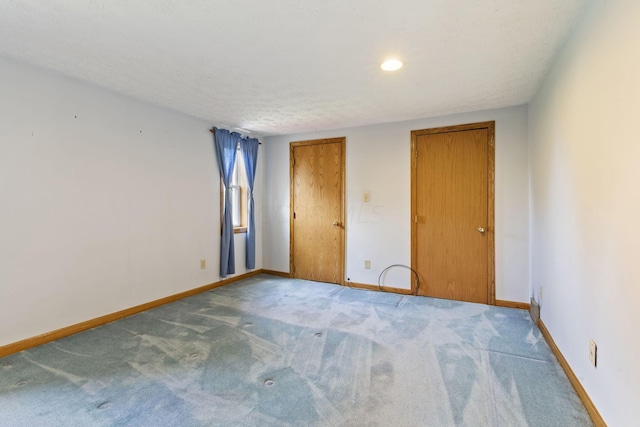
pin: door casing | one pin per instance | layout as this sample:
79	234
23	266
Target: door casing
341	243
490	126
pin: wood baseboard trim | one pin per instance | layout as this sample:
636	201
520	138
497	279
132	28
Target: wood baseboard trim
277	273
513	304
376	288
573	379
27	343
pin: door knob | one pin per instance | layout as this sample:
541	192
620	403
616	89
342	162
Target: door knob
481	230
336	223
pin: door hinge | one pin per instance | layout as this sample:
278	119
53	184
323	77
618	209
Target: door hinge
294	215
416	219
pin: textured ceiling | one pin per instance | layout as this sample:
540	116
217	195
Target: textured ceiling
286	66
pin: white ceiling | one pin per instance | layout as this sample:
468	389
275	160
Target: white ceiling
286	66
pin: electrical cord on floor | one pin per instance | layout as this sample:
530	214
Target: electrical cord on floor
403	266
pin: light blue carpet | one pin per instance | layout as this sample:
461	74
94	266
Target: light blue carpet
269	351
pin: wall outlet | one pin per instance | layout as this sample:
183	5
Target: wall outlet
203	264
367	264
593	353
366	197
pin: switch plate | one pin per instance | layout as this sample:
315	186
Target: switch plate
593	353
367	264
203	264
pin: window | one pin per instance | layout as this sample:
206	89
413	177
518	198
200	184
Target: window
238	193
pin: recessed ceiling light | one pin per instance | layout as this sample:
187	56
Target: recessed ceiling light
391	65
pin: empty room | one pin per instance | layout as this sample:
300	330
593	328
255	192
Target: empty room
319	213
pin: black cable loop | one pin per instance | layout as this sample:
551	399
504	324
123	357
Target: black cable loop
404	266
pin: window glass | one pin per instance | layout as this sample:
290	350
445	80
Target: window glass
238	191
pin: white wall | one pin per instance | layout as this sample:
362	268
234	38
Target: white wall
378	160
585	162
106	202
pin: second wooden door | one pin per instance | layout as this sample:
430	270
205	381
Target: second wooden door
452	206
317	210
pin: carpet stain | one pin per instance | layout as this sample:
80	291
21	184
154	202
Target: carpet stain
104	405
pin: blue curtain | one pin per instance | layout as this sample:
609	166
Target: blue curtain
249	147
226	144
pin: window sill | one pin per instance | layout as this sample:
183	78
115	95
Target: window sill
238	230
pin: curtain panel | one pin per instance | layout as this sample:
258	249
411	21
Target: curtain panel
226	144
249	149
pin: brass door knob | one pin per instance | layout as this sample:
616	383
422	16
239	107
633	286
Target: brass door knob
336	223
481	230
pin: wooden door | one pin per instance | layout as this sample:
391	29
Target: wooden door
317	210
452	212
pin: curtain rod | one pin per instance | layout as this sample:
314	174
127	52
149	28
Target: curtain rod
214	131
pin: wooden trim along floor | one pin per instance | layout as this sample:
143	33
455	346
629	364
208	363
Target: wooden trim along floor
573	379
277	273
102	320
377	288
513	304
